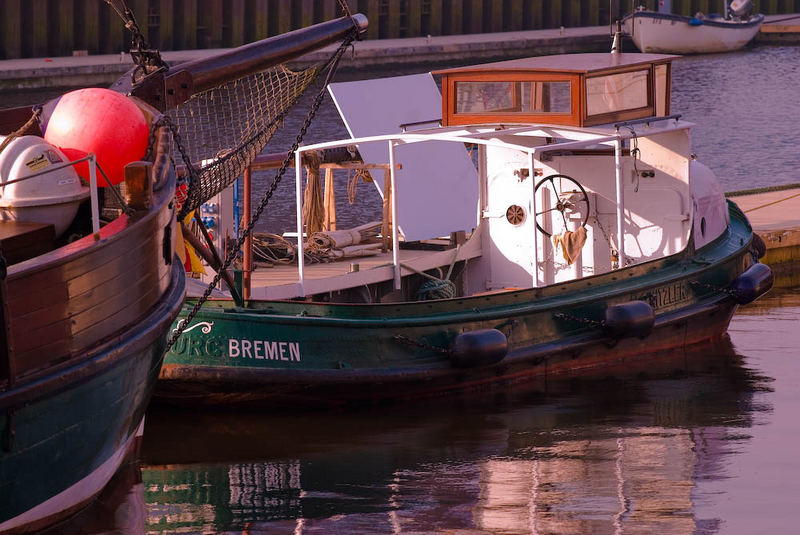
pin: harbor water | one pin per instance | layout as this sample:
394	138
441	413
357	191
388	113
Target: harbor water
699	442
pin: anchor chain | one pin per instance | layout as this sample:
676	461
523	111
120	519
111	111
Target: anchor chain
146	59
587	321
416	343
729	291
332	65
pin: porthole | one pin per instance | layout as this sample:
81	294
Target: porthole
703	227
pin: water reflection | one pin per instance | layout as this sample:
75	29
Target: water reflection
599	456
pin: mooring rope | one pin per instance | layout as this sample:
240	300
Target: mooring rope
771	203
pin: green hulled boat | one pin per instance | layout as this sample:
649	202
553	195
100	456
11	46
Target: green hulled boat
542	217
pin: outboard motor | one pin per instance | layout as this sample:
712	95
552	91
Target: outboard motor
741	8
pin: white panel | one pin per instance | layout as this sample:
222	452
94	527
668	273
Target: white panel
437	187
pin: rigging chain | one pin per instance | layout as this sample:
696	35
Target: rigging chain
268	195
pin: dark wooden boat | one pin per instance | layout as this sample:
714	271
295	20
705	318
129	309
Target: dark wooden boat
84	323
561	146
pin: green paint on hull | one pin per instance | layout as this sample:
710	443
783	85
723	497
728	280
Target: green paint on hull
280	343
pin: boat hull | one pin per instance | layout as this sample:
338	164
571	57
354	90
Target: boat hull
304	354
65	436
654	32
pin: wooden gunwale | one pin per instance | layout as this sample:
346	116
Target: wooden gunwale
106	353
66	301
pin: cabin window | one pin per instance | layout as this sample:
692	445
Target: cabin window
616	92
662	107
514	97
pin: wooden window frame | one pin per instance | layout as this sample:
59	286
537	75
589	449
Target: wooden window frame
450	117
622	115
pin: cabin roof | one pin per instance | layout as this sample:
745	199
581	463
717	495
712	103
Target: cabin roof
566	63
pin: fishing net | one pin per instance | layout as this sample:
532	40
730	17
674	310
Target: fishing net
223	129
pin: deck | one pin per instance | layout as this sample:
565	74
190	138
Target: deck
282	280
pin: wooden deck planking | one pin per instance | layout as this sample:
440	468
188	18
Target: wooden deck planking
281	281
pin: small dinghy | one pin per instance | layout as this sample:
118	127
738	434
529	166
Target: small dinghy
664	32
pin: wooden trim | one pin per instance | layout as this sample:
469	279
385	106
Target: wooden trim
621	115
450	117
64	303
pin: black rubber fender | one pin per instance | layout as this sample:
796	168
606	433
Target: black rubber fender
752	284
478	348
758	246
634	318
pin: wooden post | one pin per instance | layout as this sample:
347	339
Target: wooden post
284	16
11	28
188	36
166	24
371	10
306	13
65	33
210	19
475	10
534	17
495	16
516	16
435	19
386	220
236	18
91	26
592	14
573	13
330	201
247	264
454	21
330	10
139	185
552	14
393	26
413	18
260	21
40	33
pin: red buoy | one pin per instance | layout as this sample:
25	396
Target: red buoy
99	121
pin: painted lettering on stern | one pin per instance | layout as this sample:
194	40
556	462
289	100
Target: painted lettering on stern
263	350
666	296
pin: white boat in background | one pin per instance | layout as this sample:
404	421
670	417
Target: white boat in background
664	32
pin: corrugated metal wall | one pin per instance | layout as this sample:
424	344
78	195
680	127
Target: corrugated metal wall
37	28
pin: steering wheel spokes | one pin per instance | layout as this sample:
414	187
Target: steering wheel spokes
565	195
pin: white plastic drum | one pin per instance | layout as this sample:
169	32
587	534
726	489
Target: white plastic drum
52	197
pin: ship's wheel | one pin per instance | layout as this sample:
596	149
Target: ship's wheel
566	196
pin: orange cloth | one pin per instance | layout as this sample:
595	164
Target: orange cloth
571	243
